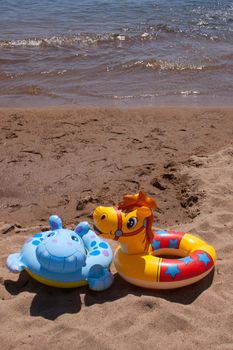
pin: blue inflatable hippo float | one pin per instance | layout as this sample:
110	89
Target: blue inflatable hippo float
65	258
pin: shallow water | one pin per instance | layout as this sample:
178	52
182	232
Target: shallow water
116	52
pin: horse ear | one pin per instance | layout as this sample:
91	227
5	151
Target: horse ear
146	200
143	212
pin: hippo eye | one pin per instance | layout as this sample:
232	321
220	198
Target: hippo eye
51	234
75	238
132	222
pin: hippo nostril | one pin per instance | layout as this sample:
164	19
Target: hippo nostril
51	234
103	217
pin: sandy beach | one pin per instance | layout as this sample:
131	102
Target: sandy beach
69	160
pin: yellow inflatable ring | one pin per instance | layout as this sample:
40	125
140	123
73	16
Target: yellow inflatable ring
196	260
142	255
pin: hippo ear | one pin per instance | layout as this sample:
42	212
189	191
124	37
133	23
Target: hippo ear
82	228
55	222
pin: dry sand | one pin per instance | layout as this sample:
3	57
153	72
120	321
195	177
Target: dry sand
67	161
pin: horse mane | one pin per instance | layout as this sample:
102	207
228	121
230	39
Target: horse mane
140	199
137	200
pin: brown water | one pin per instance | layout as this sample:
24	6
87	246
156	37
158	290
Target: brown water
116	52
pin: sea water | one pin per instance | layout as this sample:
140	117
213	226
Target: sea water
116	52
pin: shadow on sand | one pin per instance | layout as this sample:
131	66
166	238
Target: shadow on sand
50	302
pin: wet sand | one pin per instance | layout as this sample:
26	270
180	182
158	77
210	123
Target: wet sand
66	161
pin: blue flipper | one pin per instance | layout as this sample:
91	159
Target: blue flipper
14	263
99	278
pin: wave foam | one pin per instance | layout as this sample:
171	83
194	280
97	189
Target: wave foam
163	65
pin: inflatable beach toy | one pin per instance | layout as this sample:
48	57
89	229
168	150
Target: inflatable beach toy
65	258
140	257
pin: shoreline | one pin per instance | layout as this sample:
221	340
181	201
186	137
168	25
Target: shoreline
182	101
75	107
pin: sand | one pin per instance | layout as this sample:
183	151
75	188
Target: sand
67	161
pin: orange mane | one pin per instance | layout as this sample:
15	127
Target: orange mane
137	200
140	200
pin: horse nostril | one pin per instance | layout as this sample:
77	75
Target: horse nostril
103	217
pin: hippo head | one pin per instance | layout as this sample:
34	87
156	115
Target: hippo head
62	251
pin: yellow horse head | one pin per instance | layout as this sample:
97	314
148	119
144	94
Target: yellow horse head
129	223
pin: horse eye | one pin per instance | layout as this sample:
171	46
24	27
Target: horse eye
75	238
51	234
132	222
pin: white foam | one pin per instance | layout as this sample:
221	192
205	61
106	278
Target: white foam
190	92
